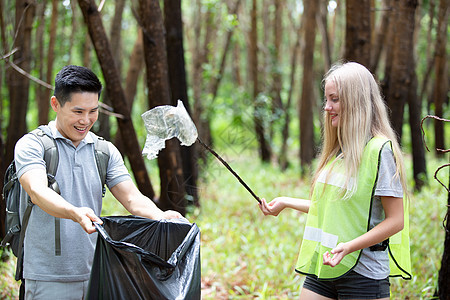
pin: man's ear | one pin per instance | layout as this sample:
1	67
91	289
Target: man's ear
54	103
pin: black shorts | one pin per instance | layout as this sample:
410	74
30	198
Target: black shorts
350	286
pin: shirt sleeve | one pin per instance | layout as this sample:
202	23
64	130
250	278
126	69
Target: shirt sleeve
388	183
28	154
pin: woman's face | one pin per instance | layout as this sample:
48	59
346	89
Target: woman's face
332	102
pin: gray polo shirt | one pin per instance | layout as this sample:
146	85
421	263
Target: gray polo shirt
80	185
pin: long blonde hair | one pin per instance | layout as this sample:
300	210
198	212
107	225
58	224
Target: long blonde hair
363	115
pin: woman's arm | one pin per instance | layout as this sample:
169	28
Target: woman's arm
393	223
275	206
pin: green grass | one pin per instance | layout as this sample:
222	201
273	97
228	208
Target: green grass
247	255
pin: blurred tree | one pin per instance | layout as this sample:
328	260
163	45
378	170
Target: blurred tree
39	61
441	84
178	87
402	86
115	37
259	105
173	191
358	31
114	87
43	103
306	105
380	36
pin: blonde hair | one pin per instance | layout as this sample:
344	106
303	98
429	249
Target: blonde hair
363	115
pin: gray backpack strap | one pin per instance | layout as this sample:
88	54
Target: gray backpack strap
51	158
102	158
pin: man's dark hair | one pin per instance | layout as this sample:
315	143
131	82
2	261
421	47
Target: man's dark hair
75	79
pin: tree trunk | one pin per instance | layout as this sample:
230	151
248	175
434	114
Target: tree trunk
401	77
201	53
441	81
380	36
259	107
17	83
418	148
178	86
18	86
358	32
73	7
42	102
444	272
283	158
277	105
44	111
104	122
135	68
215	81
306	102
169	159
114	87
322	22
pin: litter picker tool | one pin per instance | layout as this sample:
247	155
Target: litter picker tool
165	122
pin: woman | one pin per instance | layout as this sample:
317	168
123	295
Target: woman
357	230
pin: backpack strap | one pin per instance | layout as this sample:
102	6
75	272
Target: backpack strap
51	158
102	157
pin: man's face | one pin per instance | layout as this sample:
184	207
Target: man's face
76	117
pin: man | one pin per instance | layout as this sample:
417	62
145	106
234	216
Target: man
49	274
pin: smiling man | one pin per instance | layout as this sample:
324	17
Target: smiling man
64	273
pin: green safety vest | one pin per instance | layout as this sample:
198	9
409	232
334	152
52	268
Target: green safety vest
332	220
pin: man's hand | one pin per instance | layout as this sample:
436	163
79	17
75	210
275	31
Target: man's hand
85	216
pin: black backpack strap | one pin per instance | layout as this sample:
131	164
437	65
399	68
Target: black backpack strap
102	157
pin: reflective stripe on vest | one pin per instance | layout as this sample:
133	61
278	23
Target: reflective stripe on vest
332	220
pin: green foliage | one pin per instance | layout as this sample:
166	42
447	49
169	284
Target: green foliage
8	286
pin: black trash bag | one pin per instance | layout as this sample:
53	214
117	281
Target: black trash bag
139	258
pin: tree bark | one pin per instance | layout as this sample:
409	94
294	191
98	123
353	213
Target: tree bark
42	102
380	36
322	22
418	148
306	102
283	158
441	82
259	107
358	32
401	77
115	37
169	159
178	86
114	87
277	105
17	83
444	272
18	86
135	68
44	111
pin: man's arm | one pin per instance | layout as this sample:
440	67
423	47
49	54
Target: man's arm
35	184
137	204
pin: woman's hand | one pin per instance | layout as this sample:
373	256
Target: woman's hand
272	208
339	252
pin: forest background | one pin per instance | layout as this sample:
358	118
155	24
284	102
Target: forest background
249	72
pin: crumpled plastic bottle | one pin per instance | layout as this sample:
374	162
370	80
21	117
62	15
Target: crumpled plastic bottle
165	122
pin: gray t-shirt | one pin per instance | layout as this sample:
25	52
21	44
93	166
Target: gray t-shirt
375	264
80	185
